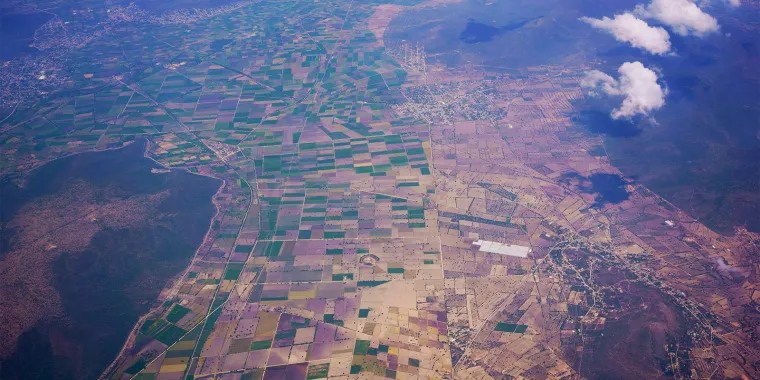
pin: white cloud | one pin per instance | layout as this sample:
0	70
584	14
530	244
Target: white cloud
628	28
683	16
641	90
595	79
723	266
637	84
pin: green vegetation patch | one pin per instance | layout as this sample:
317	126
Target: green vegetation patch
243	248
511	328
399	160
261	345
330	318
273	249
169	334
180	353
146	327
136	367
363	169
177	313
209	326
233	271
317	371
287	334
361	347
275	298
334	234
343	277
343	153
371	283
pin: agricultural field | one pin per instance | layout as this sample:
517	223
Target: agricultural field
379	214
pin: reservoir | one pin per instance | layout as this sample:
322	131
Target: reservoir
88	242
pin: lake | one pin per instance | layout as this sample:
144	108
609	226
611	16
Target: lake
17	32
89	242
